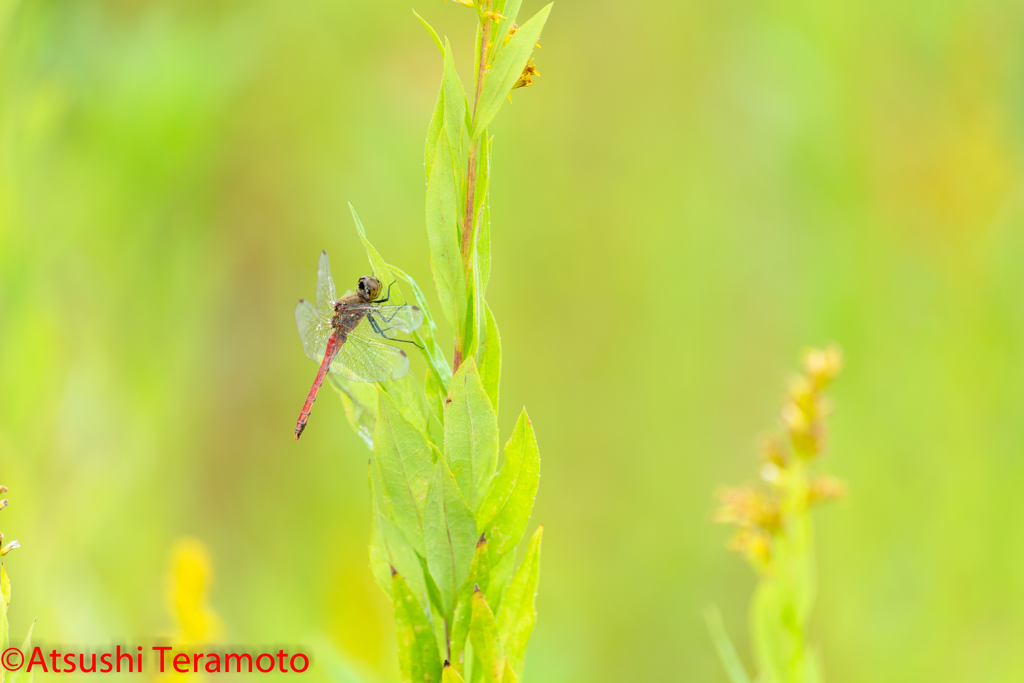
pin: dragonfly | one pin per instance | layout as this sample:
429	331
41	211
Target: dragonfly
346	336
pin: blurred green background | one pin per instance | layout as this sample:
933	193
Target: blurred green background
692	192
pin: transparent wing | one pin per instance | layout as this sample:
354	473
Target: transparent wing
387	321
366	360
314	330
325	292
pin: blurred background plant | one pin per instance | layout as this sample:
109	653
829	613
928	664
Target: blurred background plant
774	533
5	624
188	587
690	191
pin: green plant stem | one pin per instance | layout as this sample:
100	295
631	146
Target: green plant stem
469	219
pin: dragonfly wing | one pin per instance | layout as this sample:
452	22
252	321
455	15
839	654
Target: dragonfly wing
314	330
367	360
325	292
387	321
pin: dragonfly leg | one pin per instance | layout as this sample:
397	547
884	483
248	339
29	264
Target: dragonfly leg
377	328
388	319
388	295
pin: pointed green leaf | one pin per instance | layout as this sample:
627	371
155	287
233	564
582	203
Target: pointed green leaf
443	238
26	650
477	44
482	211
479	572
436	396
489	357
410	399
506	509
483	633
426	335
433	33
434	132
360	402
389	548
517	613
454	104
450	534
418	658
501	574
380	267
723	645
450	675
510	12
505	71
777	640
470	434
475	314
510	675
405	465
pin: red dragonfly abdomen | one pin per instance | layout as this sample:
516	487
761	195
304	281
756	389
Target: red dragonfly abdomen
334	343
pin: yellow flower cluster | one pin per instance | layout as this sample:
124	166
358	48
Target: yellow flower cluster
762	514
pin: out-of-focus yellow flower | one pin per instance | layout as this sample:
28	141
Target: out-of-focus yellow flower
824	488
822	365
191	575
753	544
747	507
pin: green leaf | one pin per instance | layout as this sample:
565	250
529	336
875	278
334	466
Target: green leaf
475	319
510	13
434	132
450	534
506	509
501	574
723	645
483	212
505	71
488	355
433	33
454	104
381	270
26	650
450	675
443	238
389	548
410	399
426	335
518	613
470	434
483	633
405	465
479	572
476	51
418	658
360	402
509	675
776	637
436	397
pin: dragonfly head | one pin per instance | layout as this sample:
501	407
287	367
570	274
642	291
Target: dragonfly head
369	288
